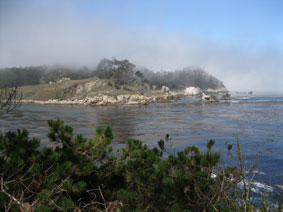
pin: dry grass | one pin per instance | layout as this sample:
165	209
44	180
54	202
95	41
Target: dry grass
80	89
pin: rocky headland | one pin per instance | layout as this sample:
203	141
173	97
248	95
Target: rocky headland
94	91
113	82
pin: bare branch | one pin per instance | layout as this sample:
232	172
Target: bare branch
10	99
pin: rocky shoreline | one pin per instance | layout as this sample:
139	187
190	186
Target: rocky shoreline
108	98
126	99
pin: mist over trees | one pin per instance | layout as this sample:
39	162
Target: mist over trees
35	75
122	72
180	79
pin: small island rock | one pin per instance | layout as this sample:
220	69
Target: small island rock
209	98
227	96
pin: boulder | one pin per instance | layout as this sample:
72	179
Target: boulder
209	90
227	96
165	89
218	90
79	89
122	99
192	91
111	100
154	87
137	100
209	98
88	86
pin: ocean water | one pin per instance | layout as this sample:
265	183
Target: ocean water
256	119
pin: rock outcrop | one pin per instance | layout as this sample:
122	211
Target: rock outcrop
192	91
209	98
227	96
165	89
126	99
219	90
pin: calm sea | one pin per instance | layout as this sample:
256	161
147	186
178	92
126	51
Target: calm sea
256	119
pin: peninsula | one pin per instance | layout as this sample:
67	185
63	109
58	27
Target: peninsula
112	82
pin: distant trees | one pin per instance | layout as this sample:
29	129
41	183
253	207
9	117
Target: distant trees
139	75
34	75
124	72
121	71
21	76
181	79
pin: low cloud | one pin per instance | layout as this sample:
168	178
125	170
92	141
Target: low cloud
62	35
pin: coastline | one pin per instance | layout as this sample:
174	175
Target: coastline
103	100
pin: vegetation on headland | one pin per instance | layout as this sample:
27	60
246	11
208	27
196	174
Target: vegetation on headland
80	174
111	77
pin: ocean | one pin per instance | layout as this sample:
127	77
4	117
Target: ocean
256	119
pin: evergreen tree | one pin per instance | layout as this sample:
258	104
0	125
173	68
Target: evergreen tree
80	174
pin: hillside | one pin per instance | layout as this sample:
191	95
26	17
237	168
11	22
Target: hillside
121	72
112	82
79	89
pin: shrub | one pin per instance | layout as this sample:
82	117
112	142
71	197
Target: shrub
127	89
85	175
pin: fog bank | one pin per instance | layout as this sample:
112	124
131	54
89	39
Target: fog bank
56	33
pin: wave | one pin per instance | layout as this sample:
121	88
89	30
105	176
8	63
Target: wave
280	187
258	187
258	172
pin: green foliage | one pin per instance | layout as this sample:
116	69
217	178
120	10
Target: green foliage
109	84
121	71
127	89
84	174
180	79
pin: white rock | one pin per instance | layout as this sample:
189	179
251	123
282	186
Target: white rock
165	89
192	91
211	90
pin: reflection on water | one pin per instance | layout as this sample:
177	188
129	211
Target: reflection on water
257	121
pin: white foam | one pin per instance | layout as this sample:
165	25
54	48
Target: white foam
279	186
213	175
257	187
258	172
263	186
244	98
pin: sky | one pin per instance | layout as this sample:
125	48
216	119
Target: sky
238	41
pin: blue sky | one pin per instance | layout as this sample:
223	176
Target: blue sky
238	41
230	20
